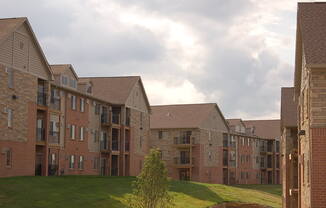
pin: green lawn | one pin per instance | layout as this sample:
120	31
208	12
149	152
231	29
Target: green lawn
111	192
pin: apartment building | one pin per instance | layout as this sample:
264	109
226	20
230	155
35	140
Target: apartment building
190	138
309	93
52	122
289	148
252	153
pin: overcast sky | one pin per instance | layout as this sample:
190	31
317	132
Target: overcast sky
237	53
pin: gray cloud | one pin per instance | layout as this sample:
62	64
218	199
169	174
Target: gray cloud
103	46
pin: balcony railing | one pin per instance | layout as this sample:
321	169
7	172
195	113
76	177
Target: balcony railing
40	134
225	162
55	103
115	145
104	145
54	137
184	140
127	146
183	161
225	143
41	98
115	118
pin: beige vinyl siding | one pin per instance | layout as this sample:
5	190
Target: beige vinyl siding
36	65
137	99
20	51
6	51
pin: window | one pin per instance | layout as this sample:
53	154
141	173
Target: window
209	155
81	162
160	134
247	175
72	131
10	117
8	158
82	105
257	159
10	77
72	83
97	109
53	159
72	161
73	102
248	142
95	136
64	80
81	133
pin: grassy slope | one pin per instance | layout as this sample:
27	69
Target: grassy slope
111	192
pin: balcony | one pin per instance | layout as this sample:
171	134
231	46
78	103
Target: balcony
115	118
183	162
127	146
105	119
40	134
55	103
115	145
54	137
184	141
104	145
225	143
263	148
41	98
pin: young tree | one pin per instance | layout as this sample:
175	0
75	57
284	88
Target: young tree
151	186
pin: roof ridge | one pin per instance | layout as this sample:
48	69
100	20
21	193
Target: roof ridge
275	119
184	104
112	77
8	18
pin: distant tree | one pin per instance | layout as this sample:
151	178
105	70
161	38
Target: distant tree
152	185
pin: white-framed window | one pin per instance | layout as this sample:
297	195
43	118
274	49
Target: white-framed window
82	105
72	161
73	102
72	131
81	162
10	73
53	159
9	117
209	155
81	133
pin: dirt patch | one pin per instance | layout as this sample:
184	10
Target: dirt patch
238	205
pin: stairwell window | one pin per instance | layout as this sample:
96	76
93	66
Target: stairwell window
9	117
82	105
10	73
72	131
73	102
81	133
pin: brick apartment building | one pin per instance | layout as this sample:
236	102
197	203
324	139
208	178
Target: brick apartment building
289	148
252	154
53	122
305	143
190	137
198	144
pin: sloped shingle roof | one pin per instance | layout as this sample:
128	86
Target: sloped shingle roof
312	23
288	107
60	68
179	116
115	90
267	129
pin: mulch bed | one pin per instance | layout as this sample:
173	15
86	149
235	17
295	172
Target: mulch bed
238	205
